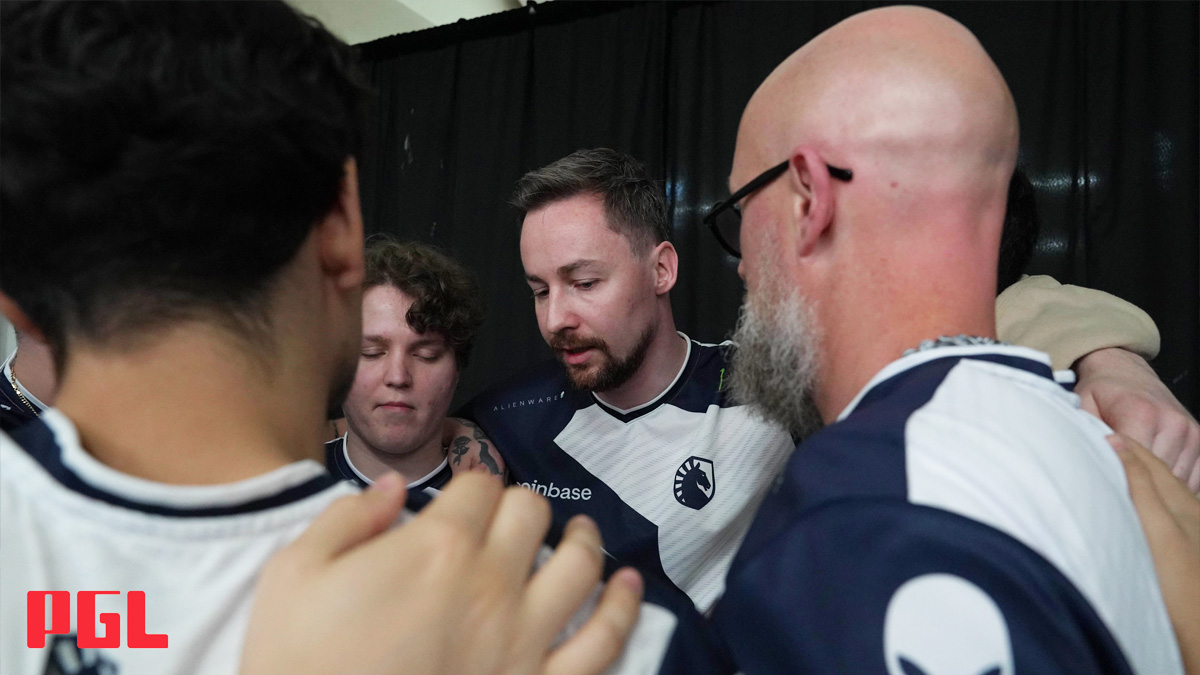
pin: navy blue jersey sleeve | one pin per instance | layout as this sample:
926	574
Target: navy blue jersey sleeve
885	586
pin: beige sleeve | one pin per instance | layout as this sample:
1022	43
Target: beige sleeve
1068	322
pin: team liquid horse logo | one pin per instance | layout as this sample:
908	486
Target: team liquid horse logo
695	483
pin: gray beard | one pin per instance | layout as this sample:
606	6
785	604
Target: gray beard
774	367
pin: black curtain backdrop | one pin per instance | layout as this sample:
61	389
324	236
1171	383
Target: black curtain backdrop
1108	95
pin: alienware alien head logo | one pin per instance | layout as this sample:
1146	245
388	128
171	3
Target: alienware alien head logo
695	482
941	624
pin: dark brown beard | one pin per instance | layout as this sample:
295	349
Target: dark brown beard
612	372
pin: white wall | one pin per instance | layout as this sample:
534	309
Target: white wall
8	339
358	21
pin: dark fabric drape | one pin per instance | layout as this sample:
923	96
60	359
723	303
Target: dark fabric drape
1108	95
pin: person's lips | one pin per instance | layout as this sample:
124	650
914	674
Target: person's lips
575	350
576	356
396	405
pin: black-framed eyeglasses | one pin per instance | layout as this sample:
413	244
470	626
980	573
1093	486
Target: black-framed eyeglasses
725	217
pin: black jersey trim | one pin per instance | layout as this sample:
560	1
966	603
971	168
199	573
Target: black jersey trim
39	442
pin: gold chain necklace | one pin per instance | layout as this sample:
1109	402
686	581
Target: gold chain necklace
17	388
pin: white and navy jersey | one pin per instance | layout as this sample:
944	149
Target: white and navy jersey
673	484
13	411
70	523
962	516
337	462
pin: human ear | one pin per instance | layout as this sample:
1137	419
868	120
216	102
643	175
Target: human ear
812	202
340	234
666	267
18	318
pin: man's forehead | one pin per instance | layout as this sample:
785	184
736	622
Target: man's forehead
385	299
570	233
385	317
404	333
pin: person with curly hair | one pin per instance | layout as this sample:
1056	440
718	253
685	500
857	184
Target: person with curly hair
421	310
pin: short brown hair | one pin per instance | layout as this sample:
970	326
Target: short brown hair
633	203
446	297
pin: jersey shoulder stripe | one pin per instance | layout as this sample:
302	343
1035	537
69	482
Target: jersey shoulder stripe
40	442
986	436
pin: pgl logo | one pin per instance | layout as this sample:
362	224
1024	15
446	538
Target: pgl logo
695	482
85	615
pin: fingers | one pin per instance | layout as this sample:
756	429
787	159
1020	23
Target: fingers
1138	423
1141	484
1136	471
561	585
600	641
518	530
1157	494
1189	457
468	504
351	520
1166	485
1161	529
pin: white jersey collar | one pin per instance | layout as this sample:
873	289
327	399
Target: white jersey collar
915	359
686	357
106	479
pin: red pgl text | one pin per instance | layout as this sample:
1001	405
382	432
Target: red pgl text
86	619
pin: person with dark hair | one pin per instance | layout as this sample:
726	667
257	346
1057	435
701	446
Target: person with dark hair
421	310
633	425
182	227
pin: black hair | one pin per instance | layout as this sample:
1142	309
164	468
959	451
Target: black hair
1020	231
162	161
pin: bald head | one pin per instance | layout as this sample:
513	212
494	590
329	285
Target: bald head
899	94
905	246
